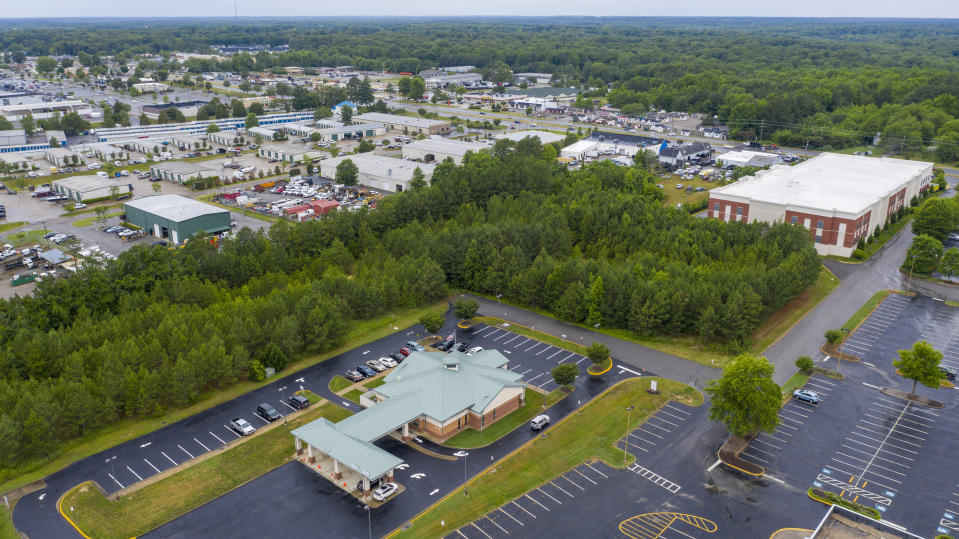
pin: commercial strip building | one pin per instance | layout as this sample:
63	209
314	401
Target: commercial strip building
839	198
599	142
407	124
62	157
536	78
337	132
44	110
748	158
13	137
175	217
188	142
87	188
438	149
379	172
288	153
105	152
226	138
144	87
106	134
442	81
180	171
262	132
432	394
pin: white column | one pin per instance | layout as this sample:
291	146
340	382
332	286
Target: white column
406	430
297	443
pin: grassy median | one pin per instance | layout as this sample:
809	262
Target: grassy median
536	402
590	432
338	383
168	498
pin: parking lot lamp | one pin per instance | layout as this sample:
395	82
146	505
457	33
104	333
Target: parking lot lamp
369	519
845	332
626	446
113	474
465	474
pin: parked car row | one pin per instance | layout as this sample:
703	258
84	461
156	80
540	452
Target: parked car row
449	345
120	231
59	238
268	413
376	366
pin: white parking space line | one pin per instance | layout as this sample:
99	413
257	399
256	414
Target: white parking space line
566	358
463	535
490	334
573	482
751	448
513	339
641	429
505	334
284	404
201	444
115	480
517	345
233	432
585	476
647	423
497	525
515	367
480	529
767	443
547	349
747	454
581	360
523	508
134	473
534	346
543	492
184	450
675	409
535	377
900	455
556	352
511	516
794	412
151	465
561	489
536	502
788	426
851	448
168	458
882	433
790	419
261	419
767	435
547	382
676	417
857	466
487	328
668	422
526	371
595	470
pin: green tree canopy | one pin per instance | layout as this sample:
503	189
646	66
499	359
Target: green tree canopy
251	121
347	172
212	128
921	365
598	353
465	309
433	321
923	255
745	398
565	374
935	217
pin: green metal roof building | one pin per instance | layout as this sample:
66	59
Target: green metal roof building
176	218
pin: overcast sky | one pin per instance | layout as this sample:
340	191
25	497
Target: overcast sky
249	8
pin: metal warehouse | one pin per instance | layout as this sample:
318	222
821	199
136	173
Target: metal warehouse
86	188
175	217
432	149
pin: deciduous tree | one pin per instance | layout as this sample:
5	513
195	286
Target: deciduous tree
921	365
745	398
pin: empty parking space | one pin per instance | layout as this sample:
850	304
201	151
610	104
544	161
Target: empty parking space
531	511
657	431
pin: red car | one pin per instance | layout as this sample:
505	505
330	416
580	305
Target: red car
405	351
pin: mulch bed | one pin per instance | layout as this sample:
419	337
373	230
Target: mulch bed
729	454
918	399
833	351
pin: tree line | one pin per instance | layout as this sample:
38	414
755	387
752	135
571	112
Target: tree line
157	328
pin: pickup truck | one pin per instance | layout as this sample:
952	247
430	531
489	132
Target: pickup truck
13	264
241	426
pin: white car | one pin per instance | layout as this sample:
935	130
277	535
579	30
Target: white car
384	491
79	206
376	365
93	166
474	350
388	362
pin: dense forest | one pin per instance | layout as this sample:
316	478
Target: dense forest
825	83
156	327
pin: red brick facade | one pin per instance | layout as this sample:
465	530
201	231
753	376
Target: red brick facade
470	420
738	211
896	201
828	233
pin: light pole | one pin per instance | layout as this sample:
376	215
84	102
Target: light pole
369	519
845	332
113	474
465	474
626	447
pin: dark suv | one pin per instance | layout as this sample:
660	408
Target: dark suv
445	346
267	412
949	373
299	402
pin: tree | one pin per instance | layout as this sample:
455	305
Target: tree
404	86
144	119
251	121
833	336
101	212
745	398
212	128
274	357
418	181
433	321
45	64
365	146
346	172
315	137
27	124
73	124
598	353
949	266
239	111
256	108
157	187
805	363
417	88
256	371
565	374
346	114
923	255
465	309
936	217
54	143
921	365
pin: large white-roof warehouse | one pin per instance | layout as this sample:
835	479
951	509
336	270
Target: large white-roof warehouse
438	149
839	198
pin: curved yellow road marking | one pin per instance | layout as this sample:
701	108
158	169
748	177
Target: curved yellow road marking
652	525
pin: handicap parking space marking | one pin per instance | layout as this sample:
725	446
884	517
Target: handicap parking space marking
654	477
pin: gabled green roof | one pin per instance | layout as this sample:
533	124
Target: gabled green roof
364	457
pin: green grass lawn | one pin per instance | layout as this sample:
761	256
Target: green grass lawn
170	497
338	383
7	531
600	422
353	395
310	396
87	221
795	382
374	383
536	402
676	196
27	237
865	310
782	320
11	225
363	332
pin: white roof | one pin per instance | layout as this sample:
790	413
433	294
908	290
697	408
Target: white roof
581	146
411	121
381	166
174	207
847	183
544	137
741	158
83	184
445	146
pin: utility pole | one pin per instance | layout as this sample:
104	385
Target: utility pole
762	124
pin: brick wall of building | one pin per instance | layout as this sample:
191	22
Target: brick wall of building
855	228
733	207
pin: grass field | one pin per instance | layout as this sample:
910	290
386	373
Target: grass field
601	421
338	383
353	395
168	498
7	531
795	382
676	196
11	225
127	429
779	323
536	402
26	237
87	221
374	383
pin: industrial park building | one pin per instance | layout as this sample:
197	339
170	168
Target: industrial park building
379	172
87	188
175	217
438	149
411	125
839	198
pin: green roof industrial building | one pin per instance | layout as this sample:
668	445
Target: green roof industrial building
176	218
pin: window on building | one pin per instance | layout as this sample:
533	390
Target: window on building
739	210
819	224
716	206
795	219
818	238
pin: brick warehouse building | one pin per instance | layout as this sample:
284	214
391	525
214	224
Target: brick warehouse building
838	198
